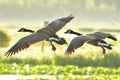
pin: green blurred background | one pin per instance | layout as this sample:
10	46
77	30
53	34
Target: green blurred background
84	10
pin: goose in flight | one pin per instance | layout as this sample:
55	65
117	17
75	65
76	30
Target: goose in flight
39	35
95	39
53	38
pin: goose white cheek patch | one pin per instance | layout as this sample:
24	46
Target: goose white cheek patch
22	30
52	38
102	44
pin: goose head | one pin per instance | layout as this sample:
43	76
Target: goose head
69	31
25	30
22	30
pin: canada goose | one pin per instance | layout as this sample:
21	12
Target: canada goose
98	34
95	39
54	38
40	35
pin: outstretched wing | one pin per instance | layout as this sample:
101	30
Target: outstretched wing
103	35
25	42
76	43
58	24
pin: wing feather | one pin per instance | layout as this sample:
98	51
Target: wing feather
76	43
103	35
25	42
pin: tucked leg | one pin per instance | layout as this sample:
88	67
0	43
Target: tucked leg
53	47
58	40
104	51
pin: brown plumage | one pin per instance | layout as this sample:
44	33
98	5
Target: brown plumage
103	35
95	39
39	35
53	38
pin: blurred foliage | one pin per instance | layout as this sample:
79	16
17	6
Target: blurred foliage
28	69
61	72
92	29
109	60
32	9
4	39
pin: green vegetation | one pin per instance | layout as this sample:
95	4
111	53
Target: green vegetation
60	67
28	69
62	72
4	39
109	60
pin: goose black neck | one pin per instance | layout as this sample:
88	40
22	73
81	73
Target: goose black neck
76	33
27	30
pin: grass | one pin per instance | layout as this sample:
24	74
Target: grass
28	69
109	60
71	72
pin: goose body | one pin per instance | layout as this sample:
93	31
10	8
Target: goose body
95	39
51	39
39	35
103	35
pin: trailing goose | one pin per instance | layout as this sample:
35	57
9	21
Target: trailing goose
53	38
95	39
98	34
39	35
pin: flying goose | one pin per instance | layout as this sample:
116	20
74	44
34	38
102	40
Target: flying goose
39	35
98	34
53	38
95	39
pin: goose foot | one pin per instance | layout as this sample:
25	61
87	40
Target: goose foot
104	51
53	48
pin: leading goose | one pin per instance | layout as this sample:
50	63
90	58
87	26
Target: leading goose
40	35
54	38
95	39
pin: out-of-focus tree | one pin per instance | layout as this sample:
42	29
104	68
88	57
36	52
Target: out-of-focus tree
4	39
42	9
